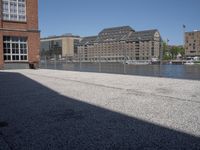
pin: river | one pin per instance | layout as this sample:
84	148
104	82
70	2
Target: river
170	71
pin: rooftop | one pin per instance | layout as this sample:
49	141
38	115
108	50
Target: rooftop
142	35
60	36
88	40
193	31
122	33
114	34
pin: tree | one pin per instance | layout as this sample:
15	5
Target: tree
182	52
171	52
175	50
167	57
166	53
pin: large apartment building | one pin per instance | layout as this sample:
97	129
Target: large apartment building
192	44
19	34
64	45
119	43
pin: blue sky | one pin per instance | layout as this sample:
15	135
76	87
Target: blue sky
89	17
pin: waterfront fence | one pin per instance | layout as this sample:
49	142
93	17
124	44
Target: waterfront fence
119	65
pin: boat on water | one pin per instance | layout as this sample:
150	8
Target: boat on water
193	61
138	62
155	61
189	62
143	62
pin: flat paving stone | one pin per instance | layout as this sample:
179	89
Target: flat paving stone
50	109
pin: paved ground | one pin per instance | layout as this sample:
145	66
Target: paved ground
46	109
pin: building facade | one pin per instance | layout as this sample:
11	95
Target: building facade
119	43
64	46
19	34
192	44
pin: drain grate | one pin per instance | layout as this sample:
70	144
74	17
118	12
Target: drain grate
3	124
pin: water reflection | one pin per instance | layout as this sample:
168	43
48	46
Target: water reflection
171	71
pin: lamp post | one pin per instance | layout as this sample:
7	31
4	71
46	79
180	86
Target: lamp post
161	51
167	47
184	27
99	62
125	61
80	59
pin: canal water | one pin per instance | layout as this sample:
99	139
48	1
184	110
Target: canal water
170	71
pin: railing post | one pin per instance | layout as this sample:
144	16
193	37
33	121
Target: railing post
66	59
125	62
124	66
99	63
55	62
45	62
80	61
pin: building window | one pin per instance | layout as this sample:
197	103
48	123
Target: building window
15	49
14	10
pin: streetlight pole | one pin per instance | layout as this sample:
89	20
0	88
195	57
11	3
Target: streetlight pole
184	27
99	62
167	47
125	61
161	51
80	59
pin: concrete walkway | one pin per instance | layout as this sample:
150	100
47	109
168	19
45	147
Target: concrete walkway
48	109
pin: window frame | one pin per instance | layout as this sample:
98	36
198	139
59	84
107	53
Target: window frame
13	10
15	48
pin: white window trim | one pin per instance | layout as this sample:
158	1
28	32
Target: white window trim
9	12
19	54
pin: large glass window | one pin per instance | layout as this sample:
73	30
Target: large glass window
51	48
14	10
15	49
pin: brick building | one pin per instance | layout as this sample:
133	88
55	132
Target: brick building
192	44
119	43
19	34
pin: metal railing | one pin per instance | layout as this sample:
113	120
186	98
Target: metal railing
110	64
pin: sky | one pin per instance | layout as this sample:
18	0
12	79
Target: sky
89	17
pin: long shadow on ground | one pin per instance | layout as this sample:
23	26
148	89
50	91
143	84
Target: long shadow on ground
39	119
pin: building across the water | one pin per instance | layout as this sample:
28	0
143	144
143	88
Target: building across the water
119	43
192	44
19	34
63	46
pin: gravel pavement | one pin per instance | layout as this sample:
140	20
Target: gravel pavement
50	109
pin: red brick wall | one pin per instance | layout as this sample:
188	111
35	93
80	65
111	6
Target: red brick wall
31	31
14	25
0	14
31	18
34	47
33	43
32	14
1	46
1	51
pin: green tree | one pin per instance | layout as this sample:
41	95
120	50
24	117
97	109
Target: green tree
166	53
177	50
182	52
167	57
174	51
